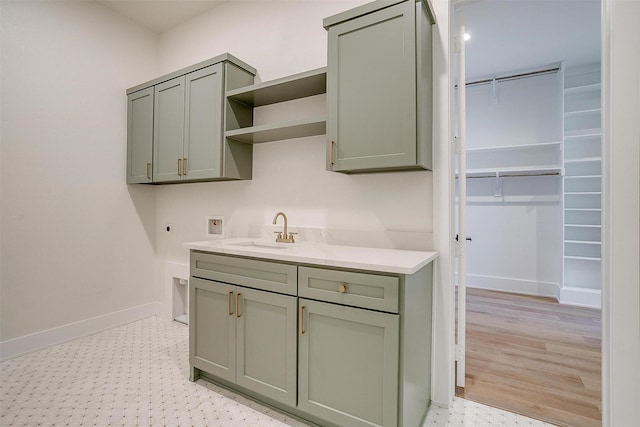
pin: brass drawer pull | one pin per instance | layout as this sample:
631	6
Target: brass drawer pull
148	170
184	166
229	304
331	152
302	331
179	167
237	310
342	288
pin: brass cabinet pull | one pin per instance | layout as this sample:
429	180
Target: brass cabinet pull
342	288
237	310
229	303
331	152
179	167
184	166
302	331
148	171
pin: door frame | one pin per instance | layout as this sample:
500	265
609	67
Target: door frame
620	309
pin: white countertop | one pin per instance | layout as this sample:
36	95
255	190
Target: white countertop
373	259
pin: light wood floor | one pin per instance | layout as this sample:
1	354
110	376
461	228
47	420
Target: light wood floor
533	356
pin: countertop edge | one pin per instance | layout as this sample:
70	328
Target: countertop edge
217	248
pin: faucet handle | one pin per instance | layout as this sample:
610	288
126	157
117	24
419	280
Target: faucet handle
290	238
279	235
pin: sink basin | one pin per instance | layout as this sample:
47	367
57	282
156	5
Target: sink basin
263	245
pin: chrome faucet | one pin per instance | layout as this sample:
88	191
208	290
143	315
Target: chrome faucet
283	236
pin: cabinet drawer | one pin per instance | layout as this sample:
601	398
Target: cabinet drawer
268	276
356	289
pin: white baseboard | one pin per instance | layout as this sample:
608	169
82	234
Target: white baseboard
39	340
581	297
518	286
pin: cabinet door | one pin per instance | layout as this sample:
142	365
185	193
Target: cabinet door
139	136
348	367
203	123
168	129
371	91
266	344
212	327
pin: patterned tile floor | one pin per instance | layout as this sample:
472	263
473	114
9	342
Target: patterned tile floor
137	375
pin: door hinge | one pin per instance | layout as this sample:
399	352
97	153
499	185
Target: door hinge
458	44
460	249
459	353
459	146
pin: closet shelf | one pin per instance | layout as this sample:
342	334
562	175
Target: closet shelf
583	209
579	113
583	133
514	171
279	131
534	146
583	192
582	89
583	160
584	258
583	176
583	242
582	226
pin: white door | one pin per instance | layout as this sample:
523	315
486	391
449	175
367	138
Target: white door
462	201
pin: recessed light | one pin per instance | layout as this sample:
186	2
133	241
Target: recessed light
467	36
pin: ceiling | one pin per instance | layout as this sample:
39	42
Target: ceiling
160	15
518	35
507	35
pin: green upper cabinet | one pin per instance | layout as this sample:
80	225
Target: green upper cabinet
139	136
168	130
176	125
379	80
203	131
187	141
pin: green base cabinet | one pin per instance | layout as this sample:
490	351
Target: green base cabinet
332	346
187	111
348	364
244	336
379	88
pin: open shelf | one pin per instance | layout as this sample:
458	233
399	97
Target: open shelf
302	85
244	100
279	131
583	242
583	160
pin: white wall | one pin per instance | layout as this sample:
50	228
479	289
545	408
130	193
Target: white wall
77	242
517	236
279	39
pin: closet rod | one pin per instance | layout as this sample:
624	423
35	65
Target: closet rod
511	175
514	76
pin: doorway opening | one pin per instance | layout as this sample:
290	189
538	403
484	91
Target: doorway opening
533	208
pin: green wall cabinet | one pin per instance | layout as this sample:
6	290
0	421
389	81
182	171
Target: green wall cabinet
244	336
187	133
379	87
139	136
